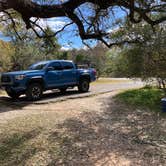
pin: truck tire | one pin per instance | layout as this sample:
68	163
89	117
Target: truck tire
34	92
83	85
13	95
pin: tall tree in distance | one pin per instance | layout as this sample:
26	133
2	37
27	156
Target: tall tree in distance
144	59
50	45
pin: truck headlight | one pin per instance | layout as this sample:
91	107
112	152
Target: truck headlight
19	77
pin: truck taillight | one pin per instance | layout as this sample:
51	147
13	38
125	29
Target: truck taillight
95	72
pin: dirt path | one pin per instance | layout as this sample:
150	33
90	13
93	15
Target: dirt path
72	100
66	108
92	131
99	87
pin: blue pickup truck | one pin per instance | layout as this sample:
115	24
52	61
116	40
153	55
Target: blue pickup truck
47	75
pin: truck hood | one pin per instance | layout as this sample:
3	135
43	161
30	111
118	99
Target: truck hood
23	72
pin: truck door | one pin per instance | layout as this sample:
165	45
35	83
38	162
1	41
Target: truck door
69	73
54	77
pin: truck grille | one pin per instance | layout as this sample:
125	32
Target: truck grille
5	79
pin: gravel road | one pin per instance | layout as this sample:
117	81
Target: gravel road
106	86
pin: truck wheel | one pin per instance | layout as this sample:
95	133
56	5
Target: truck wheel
63	90
83	85
34	91
13	95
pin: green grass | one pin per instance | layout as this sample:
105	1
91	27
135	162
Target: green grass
145	97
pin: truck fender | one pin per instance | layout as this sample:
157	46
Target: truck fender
85	76
36	79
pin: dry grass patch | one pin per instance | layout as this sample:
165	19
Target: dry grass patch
110	81
2	92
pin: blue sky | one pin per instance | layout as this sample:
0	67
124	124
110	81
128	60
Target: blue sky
69	38
4	38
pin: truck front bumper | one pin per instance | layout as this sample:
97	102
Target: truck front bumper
16	87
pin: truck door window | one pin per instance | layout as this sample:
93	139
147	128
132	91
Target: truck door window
56	66
68	66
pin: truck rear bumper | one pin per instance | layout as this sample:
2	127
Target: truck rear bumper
93	79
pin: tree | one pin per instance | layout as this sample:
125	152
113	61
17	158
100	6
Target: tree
94	57
145	59
80	58
6	52
25	54
30	49
98	58
50	46
92	17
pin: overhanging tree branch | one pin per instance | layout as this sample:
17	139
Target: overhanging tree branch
137	12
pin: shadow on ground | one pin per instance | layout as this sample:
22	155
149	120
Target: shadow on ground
14	150
8	104
116	136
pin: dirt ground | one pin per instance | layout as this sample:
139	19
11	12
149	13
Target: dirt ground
88	131
69	107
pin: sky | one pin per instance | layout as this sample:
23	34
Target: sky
4	38
69	38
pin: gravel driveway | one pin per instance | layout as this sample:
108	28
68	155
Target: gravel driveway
99	87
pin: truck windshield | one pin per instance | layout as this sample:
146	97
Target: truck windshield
38	66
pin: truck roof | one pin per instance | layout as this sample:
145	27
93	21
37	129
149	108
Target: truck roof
55	61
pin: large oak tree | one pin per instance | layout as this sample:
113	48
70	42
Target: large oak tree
92	24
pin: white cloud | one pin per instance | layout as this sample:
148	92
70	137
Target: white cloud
64	48
54	23
112	30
